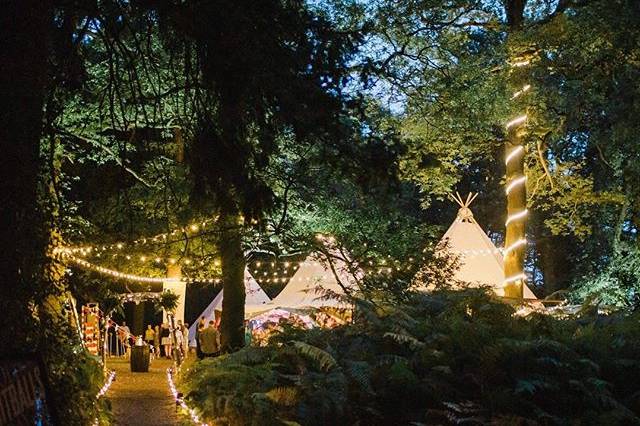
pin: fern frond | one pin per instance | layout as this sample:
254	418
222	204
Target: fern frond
404	339
323	358
287	396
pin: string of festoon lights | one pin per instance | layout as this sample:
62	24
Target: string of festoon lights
139	258
188	230
180	401
76	254
516	181
131	277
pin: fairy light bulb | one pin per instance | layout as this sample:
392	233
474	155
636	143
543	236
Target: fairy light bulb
514	183
518	120
516	216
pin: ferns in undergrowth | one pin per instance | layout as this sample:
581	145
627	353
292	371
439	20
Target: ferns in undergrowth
448	358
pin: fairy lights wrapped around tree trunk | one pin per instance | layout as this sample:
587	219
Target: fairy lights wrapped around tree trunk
515	235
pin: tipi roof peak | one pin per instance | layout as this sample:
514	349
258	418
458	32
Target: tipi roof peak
464	214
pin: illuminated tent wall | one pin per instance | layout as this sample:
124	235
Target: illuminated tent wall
255	298
481	262
306	288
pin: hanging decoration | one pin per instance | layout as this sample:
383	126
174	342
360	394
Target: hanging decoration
91	328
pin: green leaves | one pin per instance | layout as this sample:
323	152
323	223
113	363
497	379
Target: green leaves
400	369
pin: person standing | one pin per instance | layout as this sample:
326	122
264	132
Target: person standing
185	339
149	335
199	328
165	336
247	333
210	341
156	340
179	338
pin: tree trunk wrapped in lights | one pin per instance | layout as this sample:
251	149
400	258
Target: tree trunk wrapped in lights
515	247
515	234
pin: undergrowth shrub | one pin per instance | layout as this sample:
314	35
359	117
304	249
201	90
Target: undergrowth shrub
445	358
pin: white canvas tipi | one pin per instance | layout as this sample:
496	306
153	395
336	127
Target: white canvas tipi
255	297
481	263
310	284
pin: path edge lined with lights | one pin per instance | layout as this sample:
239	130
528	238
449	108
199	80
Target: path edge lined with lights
103	390
180	401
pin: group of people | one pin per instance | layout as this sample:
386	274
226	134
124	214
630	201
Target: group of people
161	339
164	340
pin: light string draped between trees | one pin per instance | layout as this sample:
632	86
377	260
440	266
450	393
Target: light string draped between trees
75	254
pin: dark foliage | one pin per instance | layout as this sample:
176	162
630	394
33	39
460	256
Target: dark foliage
447	358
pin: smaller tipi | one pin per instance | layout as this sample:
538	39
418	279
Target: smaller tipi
480	261
255	298
311	282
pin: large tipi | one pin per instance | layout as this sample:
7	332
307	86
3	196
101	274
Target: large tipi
480	261
255	297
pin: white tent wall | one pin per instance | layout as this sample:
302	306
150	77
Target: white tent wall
255	297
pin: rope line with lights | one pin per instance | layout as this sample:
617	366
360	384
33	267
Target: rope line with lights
107	384
113	273
180	401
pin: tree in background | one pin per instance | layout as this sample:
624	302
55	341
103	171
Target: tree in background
269	70
448	64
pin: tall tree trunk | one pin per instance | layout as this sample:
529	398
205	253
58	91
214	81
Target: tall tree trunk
24	36
515	232
233	264
514	151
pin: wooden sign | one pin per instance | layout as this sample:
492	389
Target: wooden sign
22	395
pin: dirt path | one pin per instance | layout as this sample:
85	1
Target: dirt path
142	399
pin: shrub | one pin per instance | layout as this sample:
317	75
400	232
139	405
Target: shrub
446	358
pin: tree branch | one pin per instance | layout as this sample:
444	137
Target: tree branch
109	151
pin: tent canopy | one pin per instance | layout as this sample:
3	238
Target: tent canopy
313	282
255	297
480	261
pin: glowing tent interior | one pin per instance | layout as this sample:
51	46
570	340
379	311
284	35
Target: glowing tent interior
255	298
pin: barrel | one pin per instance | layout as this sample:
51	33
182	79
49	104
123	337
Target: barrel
140	359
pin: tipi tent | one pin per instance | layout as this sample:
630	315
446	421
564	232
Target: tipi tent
479	260
310	284
255	297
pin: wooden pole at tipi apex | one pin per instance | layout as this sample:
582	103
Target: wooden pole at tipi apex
455	199
472	198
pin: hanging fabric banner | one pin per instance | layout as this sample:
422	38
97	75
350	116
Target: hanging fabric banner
91	327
